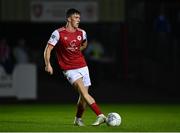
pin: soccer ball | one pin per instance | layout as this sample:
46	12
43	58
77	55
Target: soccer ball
113	119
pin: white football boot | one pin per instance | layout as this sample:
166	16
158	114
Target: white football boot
78	122
99	120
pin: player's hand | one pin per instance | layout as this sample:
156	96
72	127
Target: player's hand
49	69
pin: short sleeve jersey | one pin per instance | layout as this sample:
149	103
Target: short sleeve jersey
67	47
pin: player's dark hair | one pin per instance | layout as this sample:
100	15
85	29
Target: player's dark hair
72	11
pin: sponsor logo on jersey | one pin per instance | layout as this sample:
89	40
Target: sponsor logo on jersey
72	46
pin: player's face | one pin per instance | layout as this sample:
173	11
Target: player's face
75	20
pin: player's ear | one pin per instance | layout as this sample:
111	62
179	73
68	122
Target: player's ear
68	19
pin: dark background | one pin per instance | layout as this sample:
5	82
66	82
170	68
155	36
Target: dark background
145	66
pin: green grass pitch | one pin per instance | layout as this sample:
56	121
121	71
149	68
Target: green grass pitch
59	117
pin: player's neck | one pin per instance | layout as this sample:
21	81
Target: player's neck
69	28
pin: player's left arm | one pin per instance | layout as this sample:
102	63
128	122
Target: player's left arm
84	45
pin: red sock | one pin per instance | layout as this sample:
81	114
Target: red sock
80	111
96	108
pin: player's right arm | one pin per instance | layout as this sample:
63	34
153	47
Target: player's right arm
47	52
47	55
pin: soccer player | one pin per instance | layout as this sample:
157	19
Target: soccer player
68	42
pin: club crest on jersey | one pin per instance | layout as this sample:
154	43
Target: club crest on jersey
79	38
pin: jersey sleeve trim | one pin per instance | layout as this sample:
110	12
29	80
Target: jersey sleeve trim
54	38
50	44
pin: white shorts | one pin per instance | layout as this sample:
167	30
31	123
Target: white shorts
74	74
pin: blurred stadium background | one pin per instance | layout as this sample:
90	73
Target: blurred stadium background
140	43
